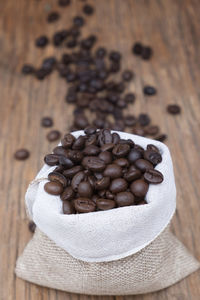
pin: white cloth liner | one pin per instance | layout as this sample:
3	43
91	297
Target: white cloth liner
107	235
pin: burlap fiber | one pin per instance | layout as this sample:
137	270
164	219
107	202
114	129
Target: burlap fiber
159	265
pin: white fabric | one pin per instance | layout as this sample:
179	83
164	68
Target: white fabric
108	235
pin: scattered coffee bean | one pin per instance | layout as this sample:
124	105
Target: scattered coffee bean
41	41
174	109
31	226
153	176
137	48
78	21
52	17
146	53
64	2
28	69
51	159
144	119
88	9
21	154
161	137
53	135
127	75
152	130
149	90
53	188
47	122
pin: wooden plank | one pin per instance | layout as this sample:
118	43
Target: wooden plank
172	29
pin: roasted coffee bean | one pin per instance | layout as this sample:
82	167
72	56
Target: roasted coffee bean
173	109
68	208
161	137
52	17
98	175
68	140
137	48
122	162
144	119
31	226
21	154
106	156
132	174
152	130
130	121
68	194
153	156
88	9
94	164
113	171
115	138
94	198
143	165
85	189
90	130
75	155
134	155
115	56
71	44
91	150
100	52
64	2
46	122
55	176
79	143
77	179
105	204
127	75
41	41
59	150
28	69
146	53
69	173
65	161
153	176
138	148
105	137
53	135
118	185
149	90
152	147
59	169
129	98
124	199
51	159
81	122
139	188
53	188
91	140
107	147
102	183
109	195
121	150
59	37
78	21
84	205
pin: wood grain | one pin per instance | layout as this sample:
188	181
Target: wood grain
172	29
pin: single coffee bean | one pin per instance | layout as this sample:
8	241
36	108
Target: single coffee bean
113	171
94	164
106	156
68	194
153	176
105	204
27	69
88	9
31	226
152	130
51	159
146	53
144	119
85	189
75	155
21	154
81	122
52	17
152	147
102	183
115	56
129	98
121	150
91	140
65	161
53	135
132	174
47	122
78	21
122	162
149	90
153	156
90	130
109	195
41	41
118	185
68	140
59	150
59	169
124	199
100	52
77	179
84	205
68	208
69	173
79	143
53	188
173	109
143	165
92	180
137	48
161	137
91	150
55	176
139	188
134	155
107	147
130	120
64	2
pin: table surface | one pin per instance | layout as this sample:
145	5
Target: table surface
172	29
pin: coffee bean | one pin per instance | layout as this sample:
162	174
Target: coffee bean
152	130
21	154
65	161
59	169
91	140
90	130
118	185
55	176
115	138
137	48
102	183
88	9
109	195
153	176
113	171
100	52
31	226
127	75
81	122
72	43
141	202
64	2
27	69
152	147
75	155
161	137
134	155
53	188
122	162
51	159
79	143
52	17
143	165
68	140
84	205
59	150
106	156
105	204
115	56
132	174
107	147
94	164
124	199
69	173
68	194
68	208
85	189
47	122
139	188
41	41
173	109
91	150
77	179
144	119
121	150
130	120
153	156
129	98
149	90
53	135
78	21
146	53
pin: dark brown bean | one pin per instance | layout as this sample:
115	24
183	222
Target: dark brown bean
121	150
51	159
132	174
91	150
77	179
68	140
55	176
173	109
65	161
69	173
124	199
31	226
153	156
122	162
79	143
102	183
85	189
134	155
139	188
53	188
143	165
68	208
118	185
84	205
105	204
153	176
59	150
93	163
21	154
152	147
53	135
113	171
106	157
68	194
107	147
47	122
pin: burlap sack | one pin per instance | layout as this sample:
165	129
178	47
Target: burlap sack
161	264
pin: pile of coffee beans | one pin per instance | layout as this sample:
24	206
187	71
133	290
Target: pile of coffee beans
100	171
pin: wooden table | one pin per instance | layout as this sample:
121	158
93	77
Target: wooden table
172	29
